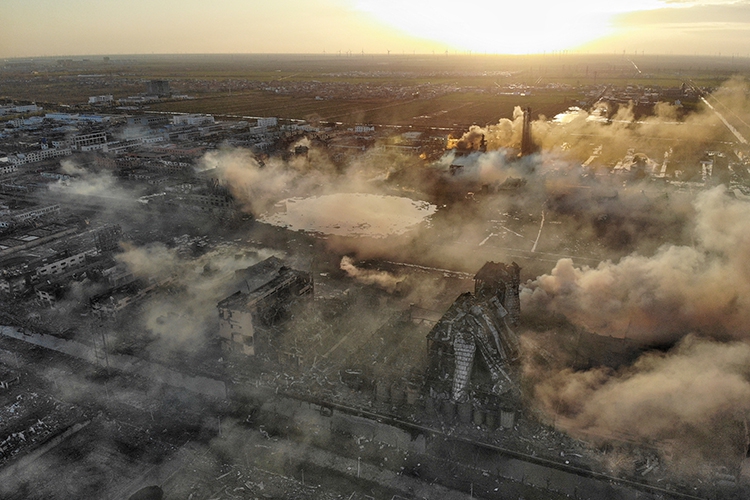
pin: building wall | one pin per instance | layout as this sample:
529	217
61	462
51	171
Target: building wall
42	154
7	169
39	212
87	140
192	119
236	326
62	265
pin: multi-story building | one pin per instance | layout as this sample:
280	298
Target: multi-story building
246	318
61	265
35	156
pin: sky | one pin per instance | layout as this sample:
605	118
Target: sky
107	27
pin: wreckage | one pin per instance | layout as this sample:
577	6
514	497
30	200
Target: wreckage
483	322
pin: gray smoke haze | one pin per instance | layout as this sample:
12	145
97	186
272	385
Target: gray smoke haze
186	313
506	133
86	182
258	187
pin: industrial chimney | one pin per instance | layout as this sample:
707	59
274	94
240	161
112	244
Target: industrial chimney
527	146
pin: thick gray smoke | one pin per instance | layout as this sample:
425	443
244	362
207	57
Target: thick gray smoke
691	403
702	288
579	133
506	133
85	182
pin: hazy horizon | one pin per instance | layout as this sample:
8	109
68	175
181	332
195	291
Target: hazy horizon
43	28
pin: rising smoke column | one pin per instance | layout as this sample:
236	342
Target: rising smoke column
506	133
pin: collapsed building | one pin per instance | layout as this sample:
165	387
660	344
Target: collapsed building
268	291
480	326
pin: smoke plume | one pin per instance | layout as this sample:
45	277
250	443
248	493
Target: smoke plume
382	279
702	288
690	403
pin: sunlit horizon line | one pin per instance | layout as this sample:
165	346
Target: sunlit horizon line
392	53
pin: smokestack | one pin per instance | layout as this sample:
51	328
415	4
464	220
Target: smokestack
527	146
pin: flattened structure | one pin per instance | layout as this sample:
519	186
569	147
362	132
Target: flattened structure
481	322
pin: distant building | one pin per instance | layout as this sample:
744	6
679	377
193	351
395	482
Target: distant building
148	120
101	99
364	129
158	87
13	109
192	119
267	122
74	118
246	318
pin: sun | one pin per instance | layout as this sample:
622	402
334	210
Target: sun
500	27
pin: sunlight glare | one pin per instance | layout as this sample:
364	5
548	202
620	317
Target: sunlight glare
487	26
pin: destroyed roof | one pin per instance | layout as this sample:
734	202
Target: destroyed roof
468	314
441	332
493	271
241	300
253	277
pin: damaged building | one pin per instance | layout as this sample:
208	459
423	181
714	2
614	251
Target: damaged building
268	291
472	349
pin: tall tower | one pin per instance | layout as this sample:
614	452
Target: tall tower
527	146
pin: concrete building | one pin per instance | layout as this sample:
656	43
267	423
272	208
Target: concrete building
36	156
89	142
60	266
246	318
148	120
14	285
7	168
36	213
